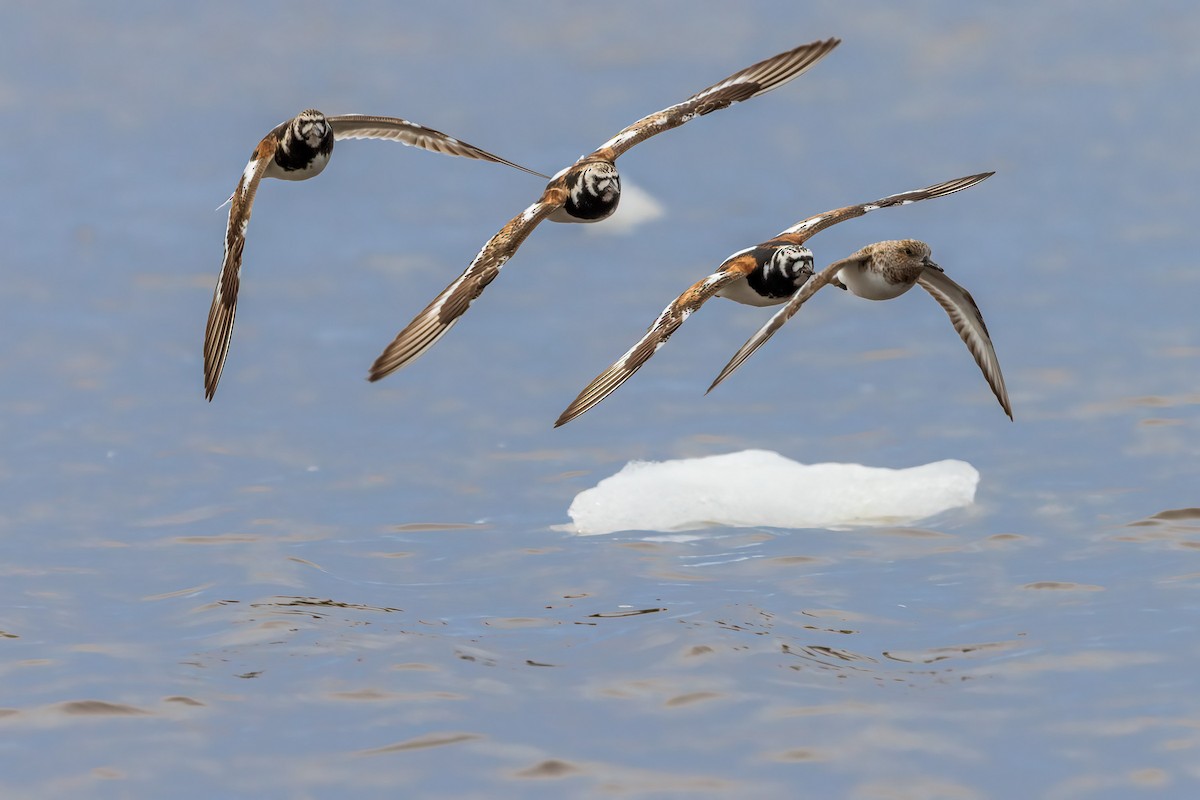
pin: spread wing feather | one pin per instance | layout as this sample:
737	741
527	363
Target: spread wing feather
804	230
667	323
968	321
742	85
224	303
446	309
363	126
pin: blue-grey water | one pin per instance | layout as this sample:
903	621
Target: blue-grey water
315	586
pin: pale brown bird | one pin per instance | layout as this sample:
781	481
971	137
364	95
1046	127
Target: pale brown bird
882	271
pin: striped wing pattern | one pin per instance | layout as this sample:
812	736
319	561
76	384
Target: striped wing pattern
806	229
440	315
667	323
224	304
363	126
742	85
967	320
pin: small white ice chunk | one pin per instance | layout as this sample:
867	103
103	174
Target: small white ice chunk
762	488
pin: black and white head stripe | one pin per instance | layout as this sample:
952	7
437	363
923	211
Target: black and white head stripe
593	192
783	270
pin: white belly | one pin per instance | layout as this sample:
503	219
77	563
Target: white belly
870	284
561	214
312	170
740	292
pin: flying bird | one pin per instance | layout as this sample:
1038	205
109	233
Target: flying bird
297	150
586	191
882	271
767	274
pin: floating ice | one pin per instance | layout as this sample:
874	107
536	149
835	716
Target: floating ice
760	487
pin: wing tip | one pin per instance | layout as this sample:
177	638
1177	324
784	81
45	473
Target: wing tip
403	351
214	361
1006	405
585	402
214	366
820	48
730	368
515	165
381	367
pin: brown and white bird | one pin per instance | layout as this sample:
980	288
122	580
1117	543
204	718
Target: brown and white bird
882	271
295	151
587	191
764	275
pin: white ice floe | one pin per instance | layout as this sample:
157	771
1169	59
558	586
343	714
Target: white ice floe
762	488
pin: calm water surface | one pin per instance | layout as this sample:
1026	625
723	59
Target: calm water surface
319	587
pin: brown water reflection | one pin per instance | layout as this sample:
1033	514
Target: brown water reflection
423	742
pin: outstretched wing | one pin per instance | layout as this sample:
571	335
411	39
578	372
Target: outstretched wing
441	314
968	321
668	321
764	333
362	126
806	229
750	82
224	304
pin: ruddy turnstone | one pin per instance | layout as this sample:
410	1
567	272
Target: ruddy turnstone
294	151
586	191
766	274
882	271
